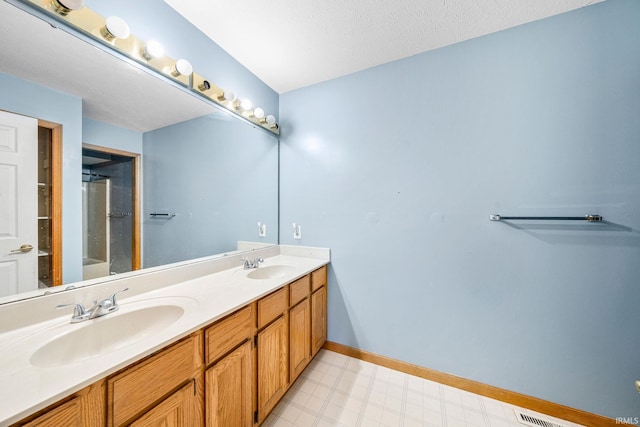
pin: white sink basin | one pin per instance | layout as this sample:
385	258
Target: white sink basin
108	333
271	272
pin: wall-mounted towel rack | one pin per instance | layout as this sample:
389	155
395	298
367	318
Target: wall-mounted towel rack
165	215
588	218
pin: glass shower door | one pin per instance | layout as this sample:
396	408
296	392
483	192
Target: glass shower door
96	228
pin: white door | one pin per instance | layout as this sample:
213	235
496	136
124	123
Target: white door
18	204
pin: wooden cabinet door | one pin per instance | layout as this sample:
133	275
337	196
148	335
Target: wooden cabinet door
299	338
318	319
273	365
229	390
177	410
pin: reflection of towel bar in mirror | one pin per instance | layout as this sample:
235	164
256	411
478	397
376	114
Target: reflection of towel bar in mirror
118	214
164	215
588	218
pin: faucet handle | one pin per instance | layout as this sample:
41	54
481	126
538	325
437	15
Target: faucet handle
112	298
79	312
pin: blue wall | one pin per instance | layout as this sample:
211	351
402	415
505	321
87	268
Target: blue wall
107	135
398	167
219	176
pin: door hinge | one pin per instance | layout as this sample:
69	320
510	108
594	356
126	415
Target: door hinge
255	341
195	392
255	417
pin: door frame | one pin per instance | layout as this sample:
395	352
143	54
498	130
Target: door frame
136	253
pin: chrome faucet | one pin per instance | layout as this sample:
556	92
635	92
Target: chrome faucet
249	264
106	306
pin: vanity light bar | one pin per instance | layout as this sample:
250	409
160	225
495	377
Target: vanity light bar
114	33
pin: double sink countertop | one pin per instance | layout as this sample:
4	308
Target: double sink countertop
44	357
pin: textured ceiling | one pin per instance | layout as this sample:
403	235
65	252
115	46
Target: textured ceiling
295	43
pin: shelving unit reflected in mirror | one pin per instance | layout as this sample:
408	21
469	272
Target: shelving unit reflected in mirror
44	208
49	205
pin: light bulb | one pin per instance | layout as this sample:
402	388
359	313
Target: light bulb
227	95
115	28
271	120
182	68
64	7
246	104
258	113
153	49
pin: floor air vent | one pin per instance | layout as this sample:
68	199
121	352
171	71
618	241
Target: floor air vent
534	420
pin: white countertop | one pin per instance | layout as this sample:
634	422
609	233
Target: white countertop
25	388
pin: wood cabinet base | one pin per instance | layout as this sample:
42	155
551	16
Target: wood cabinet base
231	373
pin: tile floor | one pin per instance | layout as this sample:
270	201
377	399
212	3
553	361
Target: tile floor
337	390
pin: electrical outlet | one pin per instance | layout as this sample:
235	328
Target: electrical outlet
297	231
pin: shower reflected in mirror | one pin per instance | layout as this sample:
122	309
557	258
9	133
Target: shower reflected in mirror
108	213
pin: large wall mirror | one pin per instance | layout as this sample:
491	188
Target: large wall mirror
205	178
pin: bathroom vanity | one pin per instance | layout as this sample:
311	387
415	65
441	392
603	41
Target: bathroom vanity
200	343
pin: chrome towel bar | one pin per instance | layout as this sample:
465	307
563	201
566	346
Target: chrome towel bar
168	215
588	218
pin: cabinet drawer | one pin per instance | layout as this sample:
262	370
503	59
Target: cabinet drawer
86	408
299	290
67	414
318	278
224	335
135	389
272	306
